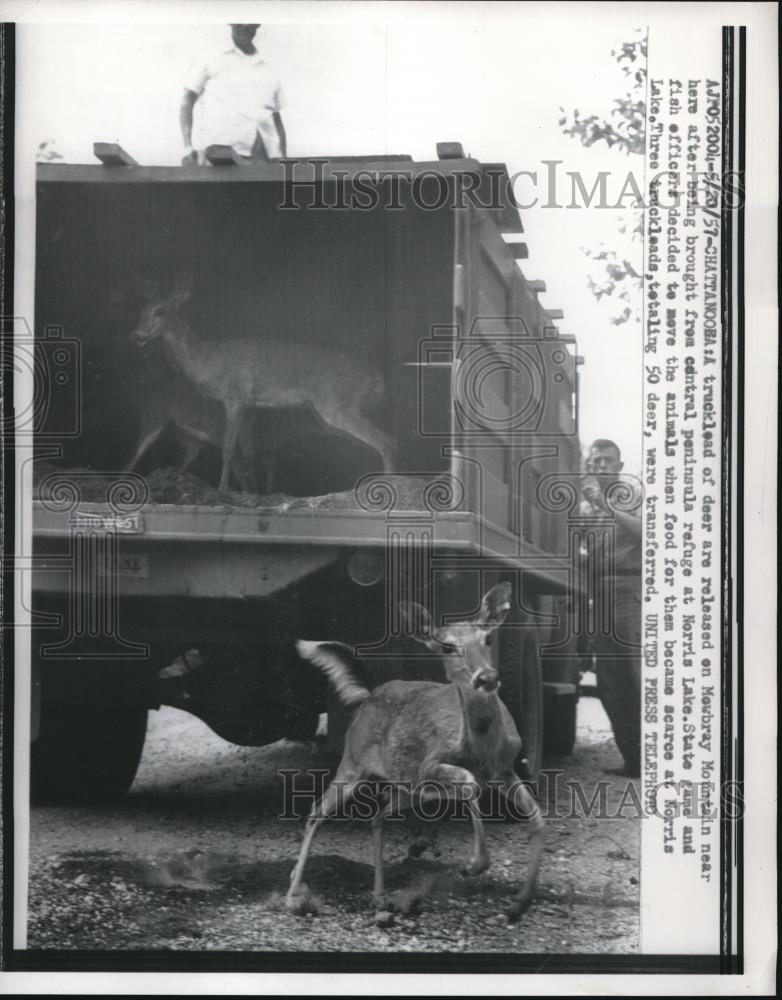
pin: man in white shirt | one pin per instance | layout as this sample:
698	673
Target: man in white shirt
239	101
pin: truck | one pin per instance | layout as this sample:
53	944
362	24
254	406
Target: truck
414	266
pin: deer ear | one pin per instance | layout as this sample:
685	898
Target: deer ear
183	288
417	621
147	289
494	606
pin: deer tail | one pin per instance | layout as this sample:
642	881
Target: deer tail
348	677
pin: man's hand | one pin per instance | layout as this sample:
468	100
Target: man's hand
596	498
190	156
593	494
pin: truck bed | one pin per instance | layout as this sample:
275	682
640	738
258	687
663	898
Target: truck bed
244	545
479	384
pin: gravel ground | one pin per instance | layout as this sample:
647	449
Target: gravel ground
196	858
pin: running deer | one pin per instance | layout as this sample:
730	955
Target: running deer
195	420
457	735
250	372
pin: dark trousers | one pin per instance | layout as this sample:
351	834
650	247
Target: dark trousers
617	647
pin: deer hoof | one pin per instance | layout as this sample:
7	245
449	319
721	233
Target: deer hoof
384	918
302	901
476	866
517	910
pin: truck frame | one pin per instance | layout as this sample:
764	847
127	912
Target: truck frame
416	264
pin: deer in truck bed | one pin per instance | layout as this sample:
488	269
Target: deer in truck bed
172	402
249	372
458	736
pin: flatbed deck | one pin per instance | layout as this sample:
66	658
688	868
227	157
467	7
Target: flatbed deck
208	548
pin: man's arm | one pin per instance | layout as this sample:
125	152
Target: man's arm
277	119
186	106
631	523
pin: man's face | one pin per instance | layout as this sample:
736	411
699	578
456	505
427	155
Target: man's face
243	34
604	461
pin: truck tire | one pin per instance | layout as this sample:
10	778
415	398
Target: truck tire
518	664
86	753
560	724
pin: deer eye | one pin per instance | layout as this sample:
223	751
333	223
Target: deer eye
449	649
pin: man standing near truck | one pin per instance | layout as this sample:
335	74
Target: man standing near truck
616	595
239	100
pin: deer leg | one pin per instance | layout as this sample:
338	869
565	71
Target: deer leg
354	423
146	443
467	789
379	891
524	805
191	446
337	795
234	415
244	471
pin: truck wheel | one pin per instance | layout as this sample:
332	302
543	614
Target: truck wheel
518	664
559	730
86	753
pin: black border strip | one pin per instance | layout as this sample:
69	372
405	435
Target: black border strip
8	480
382	962
739	283
726	734
732	295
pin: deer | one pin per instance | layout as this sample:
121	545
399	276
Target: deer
252	372
457	735
196	421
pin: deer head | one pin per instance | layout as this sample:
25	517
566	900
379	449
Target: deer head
160	309
463	645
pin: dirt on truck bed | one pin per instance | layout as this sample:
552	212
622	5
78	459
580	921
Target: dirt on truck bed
169	486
